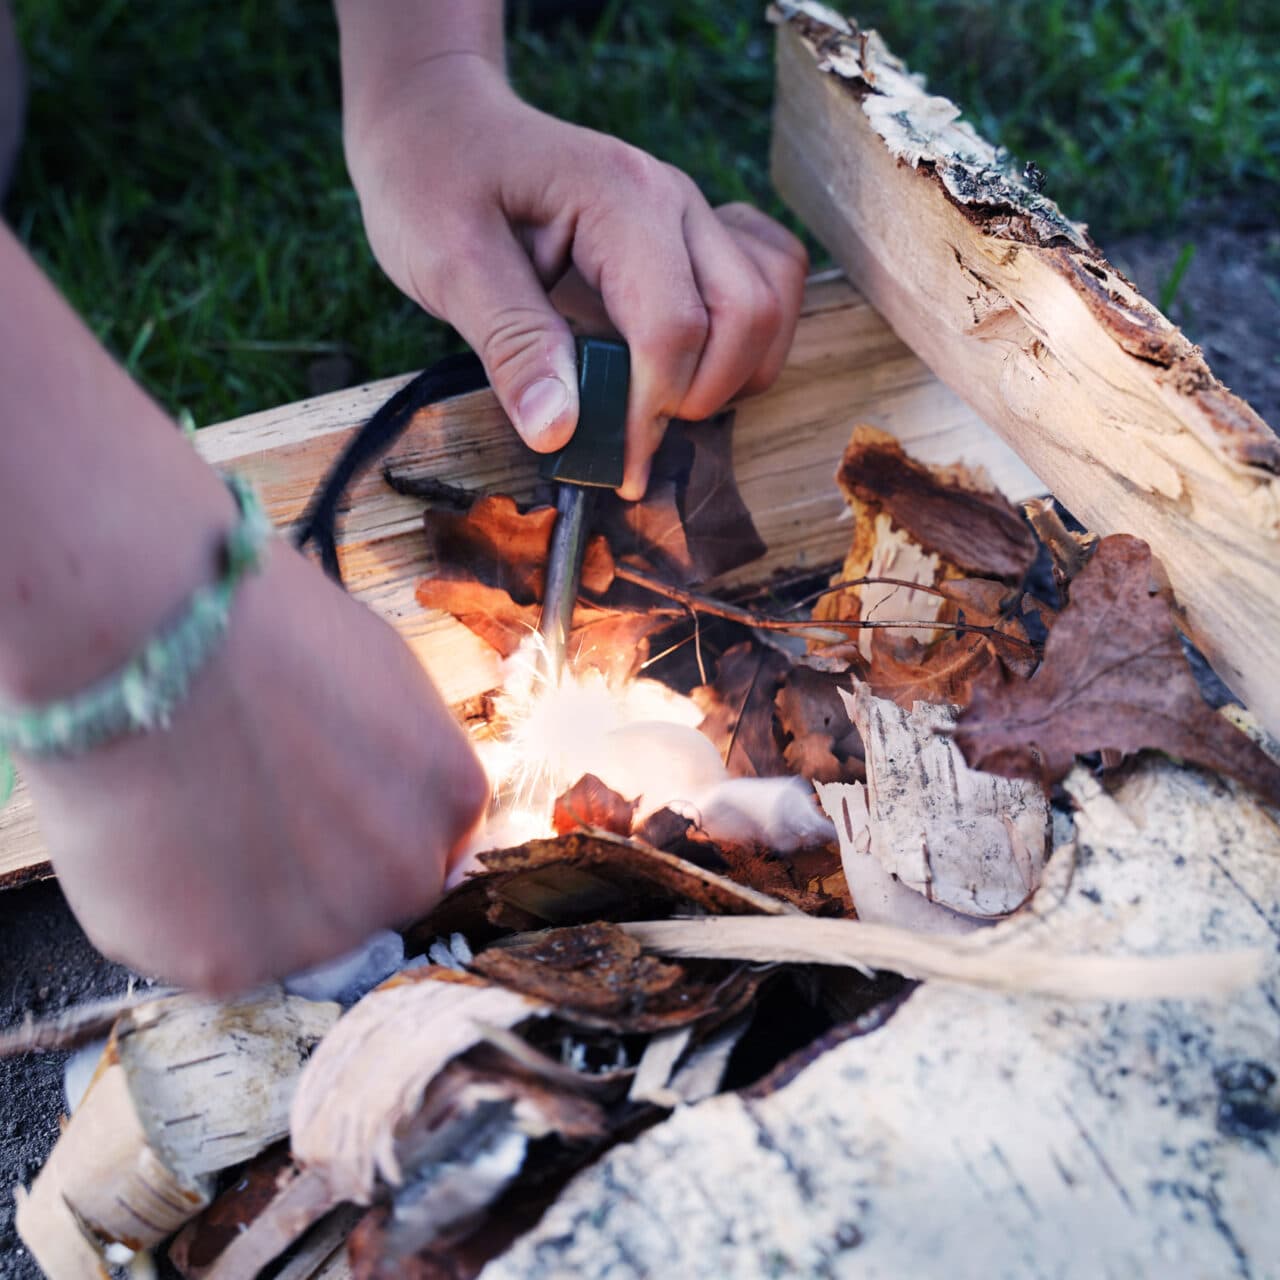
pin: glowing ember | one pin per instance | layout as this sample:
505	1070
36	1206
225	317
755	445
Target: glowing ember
641	740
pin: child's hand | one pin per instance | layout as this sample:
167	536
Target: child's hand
476	205
310	790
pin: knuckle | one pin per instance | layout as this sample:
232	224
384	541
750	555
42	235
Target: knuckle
766	310
680	332
207	970
642	172
515	338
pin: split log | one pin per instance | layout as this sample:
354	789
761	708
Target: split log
187	1086
1015	309
846	366
978	1134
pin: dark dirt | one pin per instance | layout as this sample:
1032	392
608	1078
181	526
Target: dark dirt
46	964
1228	302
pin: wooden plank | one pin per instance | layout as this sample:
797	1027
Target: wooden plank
846	367
1016	310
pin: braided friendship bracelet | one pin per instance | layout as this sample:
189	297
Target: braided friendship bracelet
144	693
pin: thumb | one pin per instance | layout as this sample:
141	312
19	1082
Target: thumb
496	301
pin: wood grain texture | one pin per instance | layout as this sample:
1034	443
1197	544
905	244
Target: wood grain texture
846	366
1018	312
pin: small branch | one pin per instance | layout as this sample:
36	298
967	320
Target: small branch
832	630
75	1026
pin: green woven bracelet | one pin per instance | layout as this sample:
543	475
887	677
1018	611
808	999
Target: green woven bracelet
144	693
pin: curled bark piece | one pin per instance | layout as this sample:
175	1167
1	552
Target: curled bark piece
879	897
346	1118
583	877
594	975
187	1086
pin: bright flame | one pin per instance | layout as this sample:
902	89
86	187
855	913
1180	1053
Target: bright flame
641	740
553	734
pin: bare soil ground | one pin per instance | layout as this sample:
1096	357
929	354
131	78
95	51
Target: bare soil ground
1228	301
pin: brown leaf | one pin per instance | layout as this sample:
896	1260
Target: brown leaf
692	524
812	715
973	528
589	803
1113	676
488	611
595	974
738	710
500	546
613	641
909	672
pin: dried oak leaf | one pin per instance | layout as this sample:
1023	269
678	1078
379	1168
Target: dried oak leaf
823	744
692	524
945	511
590	804
500	546
1113	677
738	710
613	641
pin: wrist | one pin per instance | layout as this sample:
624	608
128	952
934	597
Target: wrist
89	603
400	48
142	693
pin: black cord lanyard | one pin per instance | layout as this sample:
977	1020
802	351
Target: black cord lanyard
453	376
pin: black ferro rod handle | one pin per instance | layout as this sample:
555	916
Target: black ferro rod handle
592	460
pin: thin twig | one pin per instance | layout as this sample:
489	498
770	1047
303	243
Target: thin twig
742	710
75	1026
751	618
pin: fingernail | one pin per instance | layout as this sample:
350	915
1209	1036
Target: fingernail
541	406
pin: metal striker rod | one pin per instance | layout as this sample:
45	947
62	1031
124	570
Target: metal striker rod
564	572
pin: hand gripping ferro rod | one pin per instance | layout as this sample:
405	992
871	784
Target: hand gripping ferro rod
592	460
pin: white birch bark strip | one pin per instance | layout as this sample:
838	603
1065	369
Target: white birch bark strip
969	840
187	1085
367	1079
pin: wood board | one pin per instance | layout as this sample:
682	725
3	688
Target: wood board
846	367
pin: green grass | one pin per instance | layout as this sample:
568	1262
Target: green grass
183	178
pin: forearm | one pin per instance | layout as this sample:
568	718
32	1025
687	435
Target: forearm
107	516
383	41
